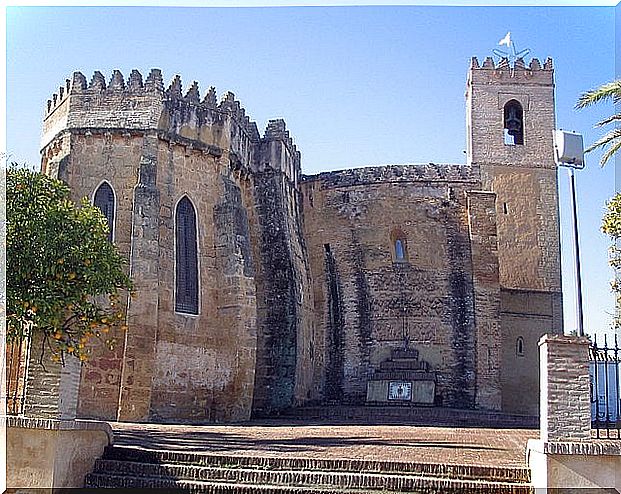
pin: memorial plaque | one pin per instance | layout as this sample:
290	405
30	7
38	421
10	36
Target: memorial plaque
400	391
424	392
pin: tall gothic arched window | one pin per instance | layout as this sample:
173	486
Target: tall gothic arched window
186	258
513	123
104	200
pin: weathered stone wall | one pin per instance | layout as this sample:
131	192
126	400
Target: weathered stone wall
524	179
527	210
484	247
87	154
142	313
366	301
526	316
285	356
153	147
203	365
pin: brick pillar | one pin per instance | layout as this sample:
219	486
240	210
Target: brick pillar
565	394
51	388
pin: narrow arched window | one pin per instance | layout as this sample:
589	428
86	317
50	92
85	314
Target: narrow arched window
513	123
399	250
186	258
519	347
104	200
399	245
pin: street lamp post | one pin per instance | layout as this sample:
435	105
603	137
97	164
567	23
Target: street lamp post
569	152
579	313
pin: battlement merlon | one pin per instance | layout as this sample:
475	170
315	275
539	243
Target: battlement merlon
533	73
279	152
137	106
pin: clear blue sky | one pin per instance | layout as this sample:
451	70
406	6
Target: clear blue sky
356	85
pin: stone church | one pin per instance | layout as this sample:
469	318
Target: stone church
259	288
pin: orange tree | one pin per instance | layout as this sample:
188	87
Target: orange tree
64	278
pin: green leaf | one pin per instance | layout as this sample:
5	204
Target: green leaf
50	286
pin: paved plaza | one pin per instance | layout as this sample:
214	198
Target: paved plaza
465	446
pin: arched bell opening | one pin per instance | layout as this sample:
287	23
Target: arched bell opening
513	123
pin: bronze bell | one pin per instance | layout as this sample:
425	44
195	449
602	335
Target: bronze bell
513	121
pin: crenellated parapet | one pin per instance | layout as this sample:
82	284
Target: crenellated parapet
279	152
78	85
58	98
96	106
138	105
425	172
276	129
534	72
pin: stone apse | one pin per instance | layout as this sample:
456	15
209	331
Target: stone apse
259	288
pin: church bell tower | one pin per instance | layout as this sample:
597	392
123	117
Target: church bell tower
509	124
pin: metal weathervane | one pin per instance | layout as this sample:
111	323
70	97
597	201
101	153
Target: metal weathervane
511	53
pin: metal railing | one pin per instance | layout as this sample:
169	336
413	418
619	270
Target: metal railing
605	389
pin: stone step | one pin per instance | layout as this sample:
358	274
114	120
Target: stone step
407	414
358	480
419	484
132	460
404	364
403	375
401	353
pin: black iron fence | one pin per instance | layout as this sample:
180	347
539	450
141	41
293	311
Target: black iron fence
605	389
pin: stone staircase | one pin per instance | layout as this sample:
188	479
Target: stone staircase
135	467
406	414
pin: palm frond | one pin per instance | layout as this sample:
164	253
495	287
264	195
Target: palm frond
604	141
603	92
611	136
611	151
606	121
